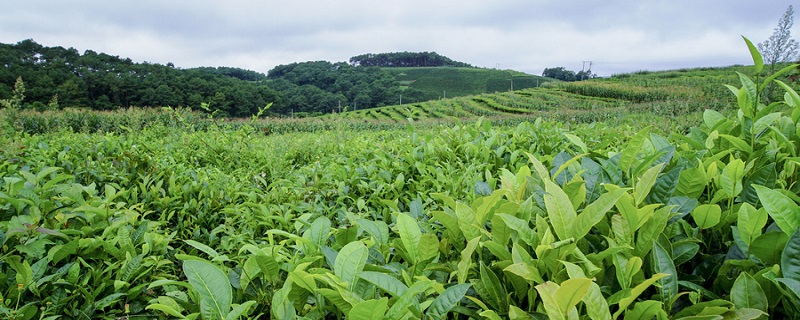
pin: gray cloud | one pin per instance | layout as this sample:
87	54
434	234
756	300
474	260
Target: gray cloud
619	36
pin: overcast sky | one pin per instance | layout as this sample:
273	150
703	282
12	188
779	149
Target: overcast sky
526	35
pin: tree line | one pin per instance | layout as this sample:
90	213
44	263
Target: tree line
57	77
405	59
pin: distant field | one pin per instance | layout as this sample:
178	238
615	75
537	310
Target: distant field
677	97
446	82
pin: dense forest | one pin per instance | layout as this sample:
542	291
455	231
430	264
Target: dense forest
405	59
55	77
102	82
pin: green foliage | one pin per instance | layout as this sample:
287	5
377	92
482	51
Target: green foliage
185	216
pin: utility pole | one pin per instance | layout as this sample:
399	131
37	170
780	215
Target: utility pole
512	84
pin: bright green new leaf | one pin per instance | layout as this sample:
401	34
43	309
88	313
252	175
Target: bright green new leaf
648	309
369	309
559	209
781	208
467	221
466	260
428	247
403	303
750	222
547	292
409	234
571	292
636	291
646	182
594	212
633	147
240	310
202	247
211	284
758	61
707	215
596	304
577	141
350	261
165	309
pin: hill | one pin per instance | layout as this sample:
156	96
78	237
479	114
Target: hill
678	97
442	82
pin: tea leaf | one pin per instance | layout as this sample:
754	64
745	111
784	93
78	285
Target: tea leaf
790	259
758	61
559	209
211	284
783	210
410	235
571	292
747	293
447	300
369	310
350	261
707	215
384	281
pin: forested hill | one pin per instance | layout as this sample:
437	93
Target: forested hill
99	81
406	59
55	77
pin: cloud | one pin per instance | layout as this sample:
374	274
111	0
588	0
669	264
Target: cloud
527	35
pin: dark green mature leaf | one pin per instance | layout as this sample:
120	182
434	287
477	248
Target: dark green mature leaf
211	284
764	247
747	293
447	300
495	293
665	186
790	259
662	263
781	208
764	176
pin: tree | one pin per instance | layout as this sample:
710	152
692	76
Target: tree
560	73
780	47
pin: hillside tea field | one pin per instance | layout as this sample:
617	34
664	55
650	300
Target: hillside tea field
538	220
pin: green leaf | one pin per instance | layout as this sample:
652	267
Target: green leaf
466	259
571	292
595	212
625	302
165	309
783	210
495	293
402	305
211	284
369	309
410	235
747	293
318	231
577	141
467	221
646	182
633	147
240	310
790	259
350	261
547	292
202	247
750	222
596	304
446	301
758	61
559	209
385	282
707	215
648	309
377	229
428	247
663	264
